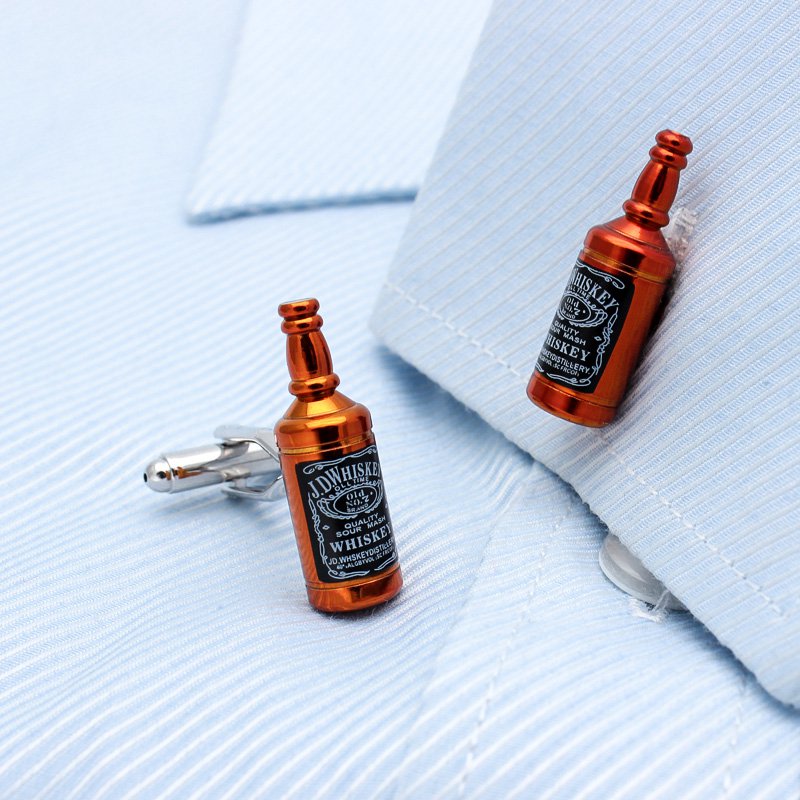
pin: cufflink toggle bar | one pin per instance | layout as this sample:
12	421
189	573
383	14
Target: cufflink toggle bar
626	572
244	461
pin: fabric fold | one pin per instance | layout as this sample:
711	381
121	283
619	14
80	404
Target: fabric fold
700	474
574	682
334	103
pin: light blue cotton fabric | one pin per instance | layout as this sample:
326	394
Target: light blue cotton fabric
334	102
700	475
162	647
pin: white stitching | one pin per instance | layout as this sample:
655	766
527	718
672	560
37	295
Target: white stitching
738	719
439	318
469	761
691	527
657	612
688	525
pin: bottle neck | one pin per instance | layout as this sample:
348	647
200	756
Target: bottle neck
310	365
307	353
655	190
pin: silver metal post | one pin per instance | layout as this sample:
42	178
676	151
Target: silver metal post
626	572
245	461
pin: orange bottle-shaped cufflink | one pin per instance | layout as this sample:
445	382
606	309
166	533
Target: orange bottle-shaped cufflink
333	477
612	298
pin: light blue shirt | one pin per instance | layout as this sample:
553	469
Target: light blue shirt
163	647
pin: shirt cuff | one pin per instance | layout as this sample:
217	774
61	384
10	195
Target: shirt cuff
699	475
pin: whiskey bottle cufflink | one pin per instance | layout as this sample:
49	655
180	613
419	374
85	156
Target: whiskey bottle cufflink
334	482
612	298
324	460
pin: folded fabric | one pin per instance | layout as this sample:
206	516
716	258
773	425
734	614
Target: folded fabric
700	475
333	103
554	684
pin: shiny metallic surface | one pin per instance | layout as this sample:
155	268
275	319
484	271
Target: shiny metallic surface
322	424
158	475
245	462
626	572
631	246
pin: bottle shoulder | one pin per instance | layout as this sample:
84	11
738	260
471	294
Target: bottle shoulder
322	422
623	242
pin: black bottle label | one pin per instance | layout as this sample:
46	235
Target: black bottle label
586	327
348	520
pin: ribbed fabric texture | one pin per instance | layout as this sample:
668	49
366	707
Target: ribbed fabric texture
334	102
573	692
700	475
162	647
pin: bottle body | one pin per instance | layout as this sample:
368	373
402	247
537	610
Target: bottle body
601	325
333	478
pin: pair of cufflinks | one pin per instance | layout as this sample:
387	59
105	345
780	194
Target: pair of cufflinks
322	453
